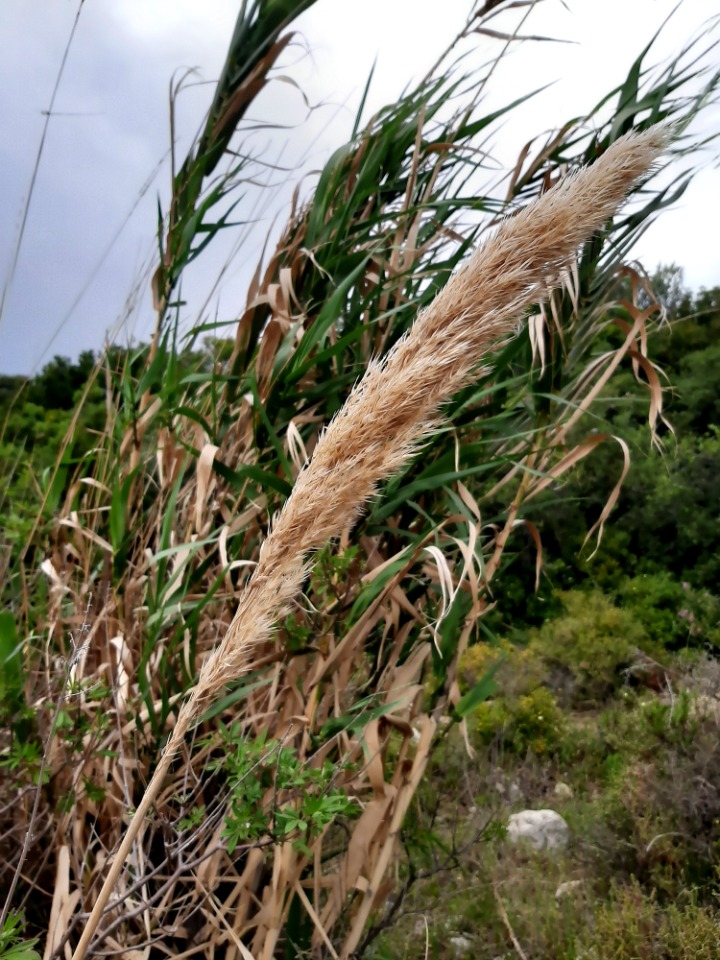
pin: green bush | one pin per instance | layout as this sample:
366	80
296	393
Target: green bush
534	723
672	612
589	646
633	926
519	672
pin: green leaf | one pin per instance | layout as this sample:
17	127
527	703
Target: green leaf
21	951
373	589
247	471
10	667
267	423
331	311
484	688
236	696
356	719
118	512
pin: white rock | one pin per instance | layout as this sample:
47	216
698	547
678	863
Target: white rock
570	886
514	793
462	945
542	829
563	791
509	791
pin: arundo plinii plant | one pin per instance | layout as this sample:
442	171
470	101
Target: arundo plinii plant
394	407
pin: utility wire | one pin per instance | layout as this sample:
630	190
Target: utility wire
48	114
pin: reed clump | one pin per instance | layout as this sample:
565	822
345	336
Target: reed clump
396	404
302	719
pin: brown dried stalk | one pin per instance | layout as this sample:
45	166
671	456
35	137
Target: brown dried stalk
394	406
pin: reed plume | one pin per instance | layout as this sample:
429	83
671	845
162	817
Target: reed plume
396	404
398	400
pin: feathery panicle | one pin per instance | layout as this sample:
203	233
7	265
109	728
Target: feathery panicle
398	400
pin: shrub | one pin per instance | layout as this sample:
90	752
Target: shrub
534	723
650	805
671	611
525	715
633	926
520	670
589	646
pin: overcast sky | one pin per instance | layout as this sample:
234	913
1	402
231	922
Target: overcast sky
90	229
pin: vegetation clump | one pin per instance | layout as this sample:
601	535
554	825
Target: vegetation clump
421	643
589	647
